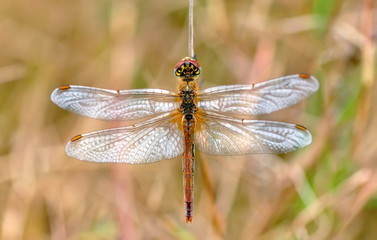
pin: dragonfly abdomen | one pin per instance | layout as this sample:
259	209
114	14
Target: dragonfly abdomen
188	165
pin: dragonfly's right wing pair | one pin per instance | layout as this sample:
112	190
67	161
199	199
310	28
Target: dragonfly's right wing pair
219	131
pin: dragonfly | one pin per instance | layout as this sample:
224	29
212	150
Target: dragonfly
216	121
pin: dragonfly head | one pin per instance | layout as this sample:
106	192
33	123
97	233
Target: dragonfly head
187	69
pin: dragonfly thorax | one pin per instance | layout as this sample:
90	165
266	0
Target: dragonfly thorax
188	105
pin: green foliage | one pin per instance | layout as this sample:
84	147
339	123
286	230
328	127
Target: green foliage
322	13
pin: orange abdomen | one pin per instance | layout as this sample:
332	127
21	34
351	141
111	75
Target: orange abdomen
188	166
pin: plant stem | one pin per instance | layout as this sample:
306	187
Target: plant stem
191	29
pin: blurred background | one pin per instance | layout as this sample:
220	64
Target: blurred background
325	191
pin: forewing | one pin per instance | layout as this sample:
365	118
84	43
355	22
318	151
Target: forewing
112	104
220	136
259	98
155	140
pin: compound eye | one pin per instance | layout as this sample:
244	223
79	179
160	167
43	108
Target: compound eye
195	69
187	67
179	70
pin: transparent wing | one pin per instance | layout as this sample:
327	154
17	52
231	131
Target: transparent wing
259	98
112	104
152	141
217	135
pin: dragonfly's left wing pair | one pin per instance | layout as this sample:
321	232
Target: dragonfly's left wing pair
147	142
218	133
115	105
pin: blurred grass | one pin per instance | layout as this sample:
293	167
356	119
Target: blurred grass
325	191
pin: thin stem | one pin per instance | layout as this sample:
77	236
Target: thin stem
191	29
